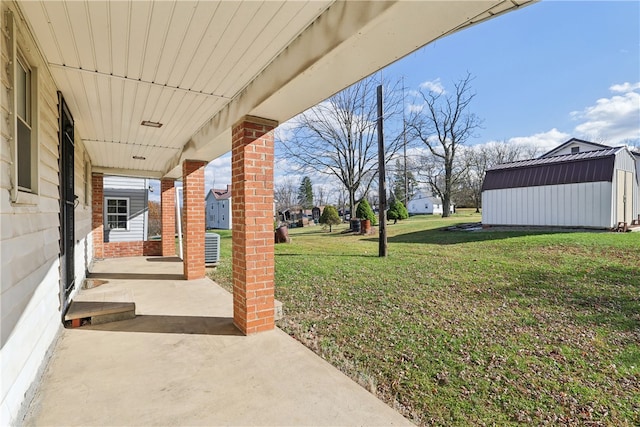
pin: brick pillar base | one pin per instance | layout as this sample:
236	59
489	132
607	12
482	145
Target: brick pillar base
168	208
194	227
252	205
97	201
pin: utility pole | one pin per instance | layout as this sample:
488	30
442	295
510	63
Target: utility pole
404	138
382	187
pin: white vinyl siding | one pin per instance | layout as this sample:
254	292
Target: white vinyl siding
421	204
218	213
124	182
136	212
29	237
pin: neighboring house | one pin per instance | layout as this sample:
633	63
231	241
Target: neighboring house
574	146
596	189
126	209
424	204
218	209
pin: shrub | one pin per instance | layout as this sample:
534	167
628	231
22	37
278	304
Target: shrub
330	216
364	211
397	211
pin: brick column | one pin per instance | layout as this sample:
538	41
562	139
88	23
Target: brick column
97	215
168	208
252	206
193	211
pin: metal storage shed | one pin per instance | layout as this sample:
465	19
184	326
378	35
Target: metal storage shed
595	189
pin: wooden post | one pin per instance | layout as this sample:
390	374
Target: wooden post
382	186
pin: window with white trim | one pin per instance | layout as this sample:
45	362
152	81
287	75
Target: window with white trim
24	92
117	213
23	114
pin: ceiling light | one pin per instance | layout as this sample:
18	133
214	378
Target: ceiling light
151	124
139	158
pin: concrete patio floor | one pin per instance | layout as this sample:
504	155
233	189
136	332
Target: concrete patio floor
182	362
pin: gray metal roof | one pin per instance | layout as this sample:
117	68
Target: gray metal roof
588	166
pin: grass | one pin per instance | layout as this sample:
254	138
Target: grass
460	328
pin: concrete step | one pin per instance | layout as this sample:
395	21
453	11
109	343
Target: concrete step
99	312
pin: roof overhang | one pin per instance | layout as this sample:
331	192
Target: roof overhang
199	67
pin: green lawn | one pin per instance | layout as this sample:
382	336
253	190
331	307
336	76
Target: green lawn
460	328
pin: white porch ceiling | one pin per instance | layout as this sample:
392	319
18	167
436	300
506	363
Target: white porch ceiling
198	67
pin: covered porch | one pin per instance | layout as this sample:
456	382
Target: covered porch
159	89
156	90
181	361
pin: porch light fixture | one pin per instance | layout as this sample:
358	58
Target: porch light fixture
139	158
151	124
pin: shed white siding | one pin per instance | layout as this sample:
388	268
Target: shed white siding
29	232
636	200
569	205
600	203
627	163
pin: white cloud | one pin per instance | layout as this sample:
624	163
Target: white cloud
625	87
614	119
544	141
415	108
217	174
284	131
434	86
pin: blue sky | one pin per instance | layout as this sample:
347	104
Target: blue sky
536	66
543	74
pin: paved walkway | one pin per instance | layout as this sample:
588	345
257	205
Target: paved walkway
182	362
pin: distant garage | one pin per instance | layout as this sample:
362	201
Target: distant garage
595	189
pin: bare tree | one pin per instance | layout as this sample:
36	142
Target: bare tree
401	180
633	144
444	123
285	193
479	158
155	219
320	195
338	136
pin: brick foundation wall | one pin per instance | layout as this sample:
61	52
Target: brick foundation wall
194	226
138	248
253	244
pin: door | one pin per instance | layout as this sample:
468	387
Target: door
67	199
624	196
628	197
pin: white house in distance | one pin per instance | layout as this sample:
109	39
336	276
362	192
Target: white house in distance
424	204
126	209
574	146
578	184
218	209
